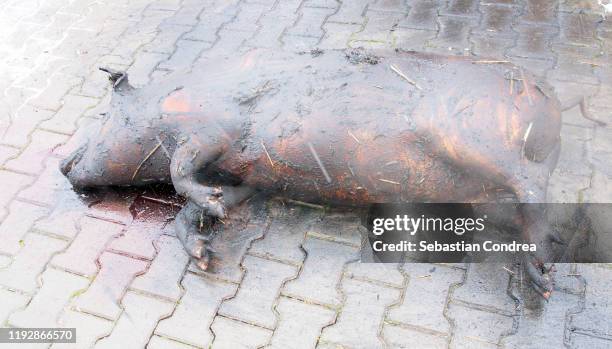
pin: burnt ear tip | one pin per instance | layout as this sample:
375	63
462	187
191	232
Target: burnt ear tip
115	76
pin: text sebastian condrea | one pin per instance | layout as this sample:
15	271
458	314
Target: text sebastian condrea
460	246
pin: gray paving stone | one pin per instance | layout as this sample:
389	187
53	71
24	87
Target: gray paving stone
165	272
58	287
300	324
14	227
22	274
476	328
580	341
157	342
106	290
598	297
258	291
11	301
322	271
89	328
426	296
283	239
81	256
31	160
231	334
362	312
73	108
195	311
382	272
546	323
406	338
138	320
486	285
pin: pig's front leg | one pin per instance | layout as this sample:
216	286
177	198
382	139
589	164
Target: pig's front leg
189	159
197	245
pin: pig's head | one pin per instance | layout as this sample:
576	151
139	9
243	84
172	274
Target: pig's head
113	150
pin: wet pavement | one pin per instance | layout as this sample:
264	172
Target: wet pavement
109	263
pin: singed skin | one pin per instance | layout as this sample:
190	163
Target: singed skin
348	128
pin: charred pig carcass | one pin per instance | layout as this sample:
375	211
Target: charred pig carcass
339	127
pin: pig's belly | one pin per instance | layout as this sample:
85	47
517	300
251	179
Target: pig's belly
350	178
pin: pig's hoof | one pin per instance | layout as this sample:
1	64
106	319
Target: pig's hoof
201	254
540	276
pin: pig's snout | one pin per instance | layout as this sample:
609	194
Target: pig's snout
69	163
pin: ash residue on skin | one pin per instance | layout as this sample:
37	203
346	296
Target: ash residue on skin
359	56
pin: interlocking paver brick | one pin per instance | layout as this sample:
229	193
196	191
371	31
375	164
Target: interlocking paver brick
310	22
425	297
351	12
22	124
144	63
486	285
188	13
81	256
6	153
187	51
573	64
546	323
423	15
11	301
461	7
406	338
165	272
231	334
362	312
565	187
14	227
298	43
73	108
598	299
138	238
166	37
533	42
338	35
103	295
497	19
470	329
580	341
88	327
577	28
491	45
258	291
321	272
272	27
247	18
22	274
158	342
453	35
382	272
284	237
31	159
413	39
300	324
195	311
43	311
377	30
540	12
51	97
138	320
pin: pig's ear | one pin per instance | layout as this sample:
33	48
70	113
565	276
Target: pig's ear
118	79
